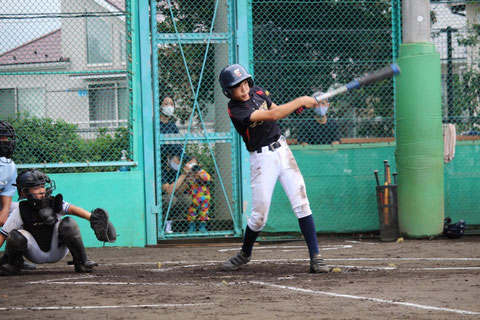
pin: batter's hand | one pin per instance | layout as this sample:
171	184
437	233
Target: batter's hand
309	102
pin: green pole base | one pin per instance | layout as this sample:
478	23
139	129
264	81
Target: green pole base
419	153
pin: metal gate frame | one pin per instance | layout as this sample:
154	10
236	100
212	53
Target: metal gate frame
207	138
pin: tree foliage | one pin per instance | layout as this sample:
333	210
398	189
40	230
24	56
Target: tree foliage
181	67
49	141
303	47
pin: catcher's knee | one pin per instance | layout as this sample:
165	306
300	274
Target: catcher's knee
16	242
68	227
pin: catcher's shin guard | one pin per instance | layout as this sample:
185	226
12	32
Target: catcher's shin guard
69	233
15	247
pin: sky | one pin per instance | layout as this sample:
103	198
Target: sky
14	32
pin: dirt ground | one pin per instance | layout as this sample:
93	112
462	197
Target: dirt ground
413	279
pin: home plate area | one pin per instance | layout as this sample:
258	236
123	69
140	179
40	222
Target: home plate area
420	279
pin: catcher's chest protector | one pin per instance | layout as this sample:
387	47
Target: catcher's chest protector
34	224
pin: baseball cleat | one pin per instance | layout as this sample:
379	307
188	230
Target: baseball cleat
9	270
317	264
236	262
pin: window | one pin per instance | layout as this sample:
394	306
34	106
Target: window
7	102
108	104
99	41
31	100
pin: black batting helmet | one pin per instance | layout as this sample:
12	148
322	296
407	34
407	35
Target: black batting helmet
33	178
8	146
232	75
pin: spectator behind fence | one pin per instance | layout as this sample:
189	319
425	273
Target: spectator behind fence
178	187
167	126
319	129
198	212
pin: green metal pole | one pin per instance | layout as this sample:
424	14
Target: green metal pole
419	153
243	44
142	100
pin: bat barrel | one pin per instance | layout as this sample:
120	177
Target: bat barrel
395	68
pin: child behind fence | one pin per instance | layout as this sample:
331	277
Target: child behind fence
198	189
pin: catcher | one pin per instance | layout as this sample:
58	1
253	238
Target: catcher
40	231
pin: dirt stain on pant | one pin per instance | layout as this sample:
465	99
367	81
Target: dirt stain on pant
302	192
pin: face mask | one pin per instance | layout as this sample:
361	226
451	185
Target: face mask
175	166
321	111
168	110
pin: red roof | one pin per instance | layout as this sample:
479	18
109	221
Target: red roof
47	48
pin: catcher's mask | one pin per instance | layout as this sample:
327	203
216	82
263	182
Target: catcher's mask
453	230
33	178
232	75
7	146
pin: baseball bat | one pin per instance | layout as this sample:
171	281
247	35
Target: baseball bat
376	177
386	219
394	178
389	181
385	168
384	73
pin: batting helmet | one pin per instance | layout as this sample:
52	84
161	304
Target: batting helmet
232	75
33	178
453	230
7	146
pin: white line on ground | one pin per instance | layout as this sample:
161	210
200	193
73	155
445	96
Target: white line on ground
348	296
404	259
360	242
111	283
332	247
163	305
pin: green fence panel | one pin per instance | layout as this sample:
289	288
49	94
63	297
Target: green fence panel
462	178
340	186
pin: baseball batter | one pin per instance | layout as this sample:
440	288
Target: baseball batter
254	116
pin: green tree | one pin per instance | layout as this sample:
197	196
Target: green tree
173	59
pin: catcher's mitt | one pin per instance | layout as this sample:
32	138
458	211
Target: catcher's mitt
104	229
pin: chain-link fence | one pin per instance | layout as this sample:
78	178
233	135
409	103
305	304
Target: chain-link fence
195	150
456	34
304	47
64	82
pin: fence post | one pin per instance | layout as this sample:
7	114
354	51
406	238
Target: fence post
419	153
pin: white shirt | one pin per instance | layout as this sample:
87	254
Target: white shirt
8	174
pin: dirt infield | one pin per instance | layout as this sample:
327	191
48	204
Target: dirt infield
415	279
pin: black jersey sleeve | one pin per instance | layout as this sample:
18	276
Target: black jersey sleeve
241	112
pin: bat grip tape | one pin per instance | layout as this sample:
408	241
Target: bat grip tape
352	85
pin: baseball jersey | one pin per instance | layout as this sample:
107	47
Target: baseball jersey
8	174
15	222
254	134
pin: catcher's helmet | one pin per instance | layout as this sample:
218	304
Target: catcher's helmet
453	230
232	75
7	146
33	178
